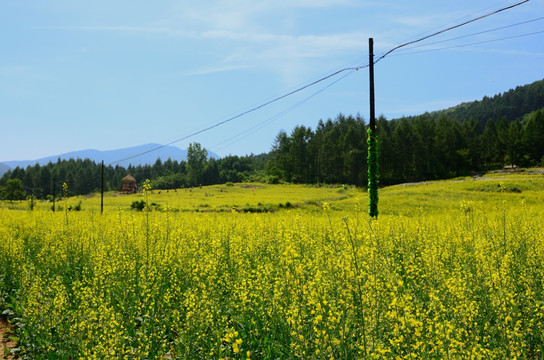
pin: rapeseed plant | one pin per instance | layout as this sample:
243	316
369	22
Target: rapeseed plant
455	280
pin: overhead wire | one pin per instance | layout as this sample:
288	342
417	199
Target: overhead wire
460	19
238	115
450	28
380	56
473	34
385	53
470	44
273	118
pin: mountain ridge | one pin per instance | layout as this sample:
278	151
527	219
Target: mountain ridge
512	104
4	168
146	154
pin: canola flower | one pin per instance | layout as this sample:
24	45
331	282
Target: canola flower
462	283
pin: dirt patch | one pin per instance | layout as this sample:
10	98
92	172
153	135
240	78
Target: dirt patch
6	343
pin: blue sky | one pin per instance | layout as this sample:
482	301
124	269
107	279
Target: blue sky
104	75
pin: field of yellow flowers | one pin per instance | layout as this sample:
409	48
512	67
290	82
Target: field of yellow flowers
449	270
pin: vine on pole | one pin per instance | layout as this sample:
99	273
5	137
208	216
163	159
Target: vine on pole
373	180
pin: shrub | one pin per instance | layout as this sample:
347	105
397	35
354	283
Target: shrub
287	205
75	207
138	205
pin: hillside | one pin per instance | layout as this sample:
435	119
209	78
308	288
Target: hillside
507	129
512	104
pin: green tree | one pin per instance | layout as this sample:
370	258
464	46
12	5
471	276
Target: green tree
472	134
298	154
45	181
533	137
490	145
510	138
279	162
13	190
211	173
196	163
405	140
157	169
425	159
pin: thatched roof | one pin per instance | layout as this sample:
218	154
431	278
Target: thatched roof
129	178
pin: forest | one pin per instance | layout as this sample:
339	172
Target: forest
474	137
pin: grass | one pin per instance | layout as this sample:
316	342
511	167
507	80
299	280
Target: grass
447	271
208	198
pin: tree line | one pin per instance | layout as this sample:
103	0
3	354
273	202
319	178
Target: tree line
507	129
84	176
410	149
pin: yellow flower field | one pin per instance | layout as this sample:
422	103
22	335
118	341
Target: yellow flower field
451	269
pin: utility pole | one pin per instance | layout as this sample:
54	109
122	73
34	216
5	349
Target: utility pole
372	141
102	190
371	75
54	192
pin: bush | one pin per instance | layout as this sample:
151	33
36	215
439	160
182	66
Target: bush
75	207
138	205
287	205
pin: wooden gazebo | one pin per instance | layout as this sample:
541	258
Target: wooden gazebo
129	184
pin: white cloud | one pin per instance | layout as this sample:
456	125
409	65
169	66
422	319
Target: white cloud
211	70
271	35
297	46
147	30
292	57
415	21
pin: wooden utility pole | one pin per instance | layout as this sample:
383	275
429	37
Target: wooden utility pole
372	141
102	190
54	192
371	75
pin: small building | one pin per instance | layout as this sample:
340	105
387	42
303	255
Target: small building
129	184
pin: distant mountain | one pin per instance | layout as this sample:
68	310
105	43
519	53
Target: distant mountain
137	155
4	168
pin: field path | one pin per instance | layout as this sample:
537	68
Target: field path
5	343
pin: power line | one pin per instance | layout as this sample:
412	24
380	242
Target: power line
473	43
454	21
240	114
76	178
259	126
450	28
320	80
474	34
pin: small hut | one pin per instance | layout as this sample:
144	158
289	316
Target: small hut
129	184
